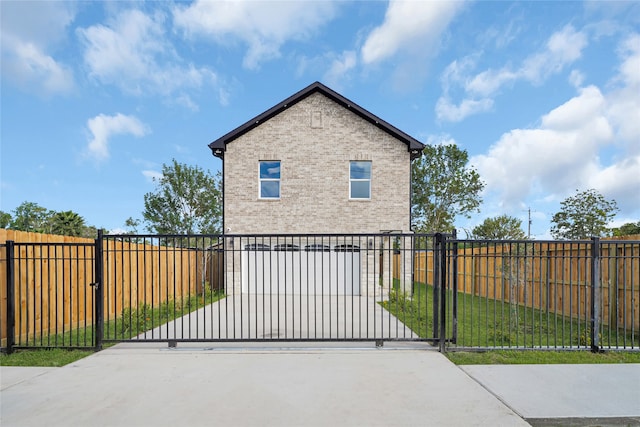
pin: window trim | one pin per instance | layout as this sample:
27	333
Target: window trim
261	180
352	180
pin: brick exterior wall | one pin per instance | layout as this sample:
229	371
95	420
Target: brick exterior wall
314	140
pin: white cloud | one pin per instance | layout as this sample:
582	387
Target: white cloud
340	68
620	181
561	154
263	26
446	110
562	48
578	113
28	36
624	101
409	27
186	101
590	141
576	78
103	127
133	53
441	139
152	175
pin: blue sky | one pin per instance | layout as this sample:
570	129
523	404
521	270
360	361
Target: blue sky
96	96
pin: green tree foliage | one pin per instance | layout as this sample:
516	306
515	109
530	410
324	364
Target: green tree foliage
132	225
503	227
34	218
187	200
627	229
5	219
31	217
583	215
67	223
443	186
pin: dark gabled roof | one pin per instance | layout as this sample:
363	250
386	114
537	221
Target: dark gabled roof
414	146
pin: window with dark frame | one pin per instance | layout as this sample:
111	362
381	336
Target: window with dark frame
360	180
270	179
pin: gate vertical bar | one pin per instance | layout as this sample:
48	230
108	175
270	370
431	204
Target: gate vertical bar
595	294
11	301
98	292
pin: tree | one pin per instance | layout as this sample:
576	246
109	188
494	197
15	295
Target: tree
132	225
31	217
627	229
583	215
67	223
5	219
443	187
186	201
501	227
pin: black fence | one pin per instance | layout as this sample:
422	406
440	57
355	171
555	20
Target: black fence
454	294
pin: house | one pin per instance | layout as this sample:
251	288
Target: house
316	163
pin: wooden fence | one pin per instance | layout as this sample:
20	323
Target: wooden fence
552	276
53	274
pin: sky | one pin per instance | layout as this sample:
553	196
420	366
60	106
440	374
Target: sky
97	96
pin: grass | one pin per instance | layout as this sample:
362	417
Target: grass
130	323
489	323
537	357
48	358
133	322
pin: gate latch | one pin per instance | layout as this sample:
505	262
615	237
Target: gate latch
95	285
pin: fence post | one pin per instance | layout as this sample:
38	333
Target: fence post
595	294
11	300
98	292
441	249
454	286
436	286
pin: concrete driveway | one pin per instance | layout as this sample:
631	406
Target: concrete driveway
152	385
286	317
308	384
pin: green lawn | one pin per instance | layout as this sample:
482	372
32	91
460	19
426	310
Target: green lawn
536	357
488	323
48	358
128	324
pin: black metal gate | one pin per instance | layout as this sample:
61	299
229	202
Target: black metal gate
228	288
273	288
49	299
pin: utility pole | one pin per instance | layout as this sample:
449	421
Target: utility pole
529	228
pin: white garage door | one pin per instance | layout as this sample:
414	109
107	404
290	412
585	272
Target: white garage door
291	270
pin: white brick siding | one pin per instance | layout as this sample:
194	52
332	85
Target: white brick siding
314	140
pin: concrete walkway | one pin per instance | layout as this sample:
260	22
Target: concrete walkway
566	394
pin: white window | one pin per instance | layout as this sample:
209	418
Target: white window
270	179
359	180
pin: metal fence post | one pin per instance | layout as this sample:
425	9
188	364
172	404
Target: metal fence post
436	285
98	292
11	301
595	294
441	249
454	287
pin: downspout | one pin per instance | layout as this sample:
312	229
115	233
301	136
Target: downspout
223	228
219	153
